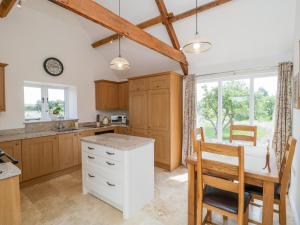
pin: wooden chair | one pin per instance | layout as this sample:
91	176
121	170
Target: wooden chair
243	137
226	197
281	189
195	133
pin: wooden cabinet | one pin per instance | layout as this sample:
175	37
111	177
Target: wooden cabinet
123	95
14	149
138	109
68	150
40	156
111	95
82	135
2	87
122	130
156	112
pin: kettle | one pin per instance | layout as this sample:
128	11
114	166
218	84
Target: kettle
105	121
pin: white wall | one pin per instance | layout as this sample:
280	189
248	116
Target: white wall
39	30
295	181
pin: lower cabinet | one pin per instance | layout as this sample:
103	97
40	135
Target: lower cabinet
40	156
68	150
14	149
122	130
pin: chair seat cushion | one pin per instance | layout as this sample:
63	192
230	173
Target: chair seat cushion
224	200
259	190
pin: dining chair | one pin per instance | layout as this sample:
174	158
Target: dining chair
195	133
243	136
280	189
216	193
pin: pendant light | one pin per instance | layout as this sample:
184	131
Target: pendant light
119	63
198	44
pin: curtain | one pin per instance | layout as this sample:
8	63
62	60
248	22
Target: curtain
189	116
283	116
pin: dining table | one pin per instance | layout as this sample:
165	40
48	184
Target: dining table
255	174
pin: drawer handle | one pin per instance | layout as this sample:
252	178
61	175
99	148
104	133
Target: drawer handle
91	157
110	153
110	184
110	164
90	175
90	148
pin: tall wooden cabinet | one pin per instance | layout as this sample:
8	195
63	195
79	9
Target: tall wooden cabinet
155	110
2	87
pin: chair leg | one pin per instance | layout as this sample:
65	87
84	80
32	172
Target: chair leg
209	216
246	216
282	211
225	220
199	213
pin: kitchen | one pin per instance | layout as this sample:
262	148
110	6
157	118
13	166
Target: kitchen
98	116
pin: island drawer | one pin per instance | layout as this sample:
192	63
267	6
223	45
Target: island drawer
103	151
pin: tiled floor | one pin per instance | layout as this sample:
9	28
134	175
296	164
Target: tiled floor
60	202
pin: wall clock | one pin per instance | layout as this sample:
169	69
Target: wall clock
53	66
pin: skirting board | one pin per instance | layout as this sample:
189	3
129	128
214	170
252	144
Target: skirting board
294	210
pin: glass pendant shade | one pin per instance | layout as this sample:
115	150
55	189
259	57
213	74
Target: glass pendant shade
119	63
196	46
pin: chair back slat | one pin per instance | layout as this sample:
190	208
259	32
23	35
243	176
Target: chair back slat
195	133
216	167
243	137
221	183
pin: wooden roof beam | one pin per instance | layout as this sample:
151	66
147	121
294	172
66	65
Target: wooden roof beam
170	29
172	19
93	11
5	7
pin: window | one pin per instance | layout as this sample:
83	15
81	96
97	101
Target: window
238	100
43	102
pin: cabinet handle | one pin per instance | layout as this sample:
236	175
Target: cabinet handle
91	157
110	153
110	184
110	164
90	148
92	176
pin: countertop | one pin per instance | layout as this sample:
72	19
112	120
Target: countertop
26	135
118	141
8	170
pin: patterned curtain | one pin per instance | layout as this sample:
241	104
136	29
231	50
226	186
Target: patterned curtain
283	117
189	116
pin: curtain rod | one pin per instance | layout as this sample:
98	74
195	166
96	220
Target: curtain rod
257	69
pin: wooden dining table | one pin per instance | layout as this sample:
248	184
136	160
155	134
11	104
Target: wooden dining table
255	159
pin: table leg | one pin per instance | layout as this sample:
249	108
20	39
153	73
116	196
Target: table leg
268	202
191	195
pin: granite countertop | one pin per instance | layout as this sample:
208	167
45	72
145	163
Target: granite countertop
8	170
26	135
118	141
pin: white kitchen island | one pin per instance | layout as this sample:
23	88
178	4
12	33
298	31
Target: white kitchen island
119	169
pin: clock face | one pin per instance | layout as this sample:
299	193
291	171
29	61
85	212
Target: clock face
53	66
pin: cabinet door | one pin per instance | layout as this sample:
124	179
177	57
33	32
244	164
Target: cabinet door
106	95
159	82
159	109
123	95
140	84
161	148
82	135
13	148
139	132
39	156
122	130
68	150
2	89
138	109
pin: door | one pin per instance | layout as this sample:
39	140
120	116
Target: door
39	156
138	109
159	109
161	148
123	95
68	150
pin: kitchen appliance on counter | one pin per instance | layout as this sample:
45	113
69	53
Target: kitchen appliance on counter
118	119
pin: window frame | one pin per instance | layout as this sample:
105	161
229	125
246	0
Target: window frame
229	77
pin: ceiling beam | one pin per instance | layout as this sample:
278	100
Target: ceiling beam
143	25
93	11
170	29
172	19
5	7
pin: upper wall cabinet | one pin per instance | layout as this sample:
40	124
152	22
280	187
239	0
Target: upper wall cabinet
111	95
2	87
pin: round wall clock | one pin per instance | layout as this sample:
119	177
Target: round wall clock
53	66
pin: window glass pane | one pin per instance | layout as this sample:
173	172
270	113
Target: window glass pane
207	108
56	103
235	104
264	103
33	103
